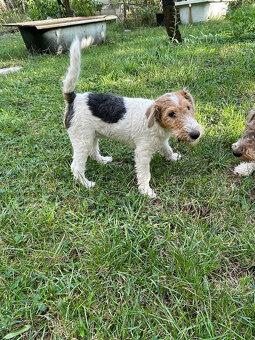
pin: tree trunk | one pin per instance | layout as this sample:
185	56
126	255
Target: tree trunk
64	8
3	6
171	21
124	11
68	9
23	6
9	5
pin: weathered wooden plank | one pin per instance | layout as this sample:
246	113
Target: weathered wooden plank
7	70
52	23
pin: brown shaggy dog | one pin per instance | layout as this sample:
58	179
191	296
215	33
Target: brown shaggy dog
244	148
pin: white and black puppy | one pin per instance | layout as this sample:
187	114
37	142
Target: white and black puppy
143	124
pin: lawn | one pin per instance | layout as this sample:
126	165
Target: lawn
108	263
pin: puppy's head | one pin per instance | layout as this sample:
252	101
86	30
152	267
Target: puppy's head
244	148
175	112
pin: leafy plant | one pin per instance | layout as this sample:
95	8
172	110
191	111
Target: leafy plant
240	3
142	13
41	9
85	8
242	20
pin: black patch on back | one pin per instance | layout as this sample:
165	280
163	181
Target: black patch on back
108	107
69	97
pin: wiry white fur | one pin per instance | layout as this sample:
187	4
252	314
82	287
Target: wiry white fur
74	68
174	98
235	145
191	124
86	129
245	169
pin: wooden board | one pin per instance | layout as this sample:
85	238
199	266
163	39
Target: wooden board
54	23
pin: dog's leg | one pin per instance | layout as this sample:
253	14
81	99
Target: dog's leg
168	153
81	150
245	169
142	164
95	154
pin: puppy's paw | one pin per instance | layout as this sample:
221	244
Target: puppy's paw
147	191
176	157
244	169
88	184
104	160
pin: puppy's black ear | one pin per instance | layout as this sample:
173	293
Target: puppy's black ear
153	113
189	97
251	116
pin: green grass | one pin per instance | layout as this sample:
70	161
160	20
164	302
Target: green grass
107	263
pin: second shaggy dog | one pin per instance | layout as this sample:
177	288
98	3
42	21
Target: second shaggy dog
244	148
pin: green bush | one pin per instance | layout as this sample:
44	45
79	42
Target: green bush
12	14
142	13
242	20
84	8
240	3
41	9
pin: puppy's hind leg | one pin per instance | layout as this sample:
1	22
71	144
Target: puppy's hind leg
95	154
81	150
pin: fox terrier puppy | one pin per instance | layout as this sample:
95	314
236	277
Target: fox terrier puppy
244	148
143	124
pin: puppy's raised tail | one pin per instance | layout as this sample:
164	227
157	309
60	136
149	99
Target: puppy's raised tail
73	72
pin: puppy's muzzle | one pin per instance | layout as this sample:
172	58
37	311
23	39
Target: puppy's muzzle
235	148
237	154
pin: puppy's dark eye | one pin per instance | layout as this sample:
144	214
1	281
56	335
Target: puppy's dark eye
188	107
171	114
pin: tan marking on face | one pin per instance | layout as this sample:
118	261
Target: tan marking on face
176	113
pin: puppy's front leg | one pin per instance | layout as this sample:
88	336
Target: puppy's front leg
168	153
142	164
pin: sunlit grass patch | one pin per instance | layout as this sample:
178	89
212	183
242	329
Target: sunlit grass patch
108	263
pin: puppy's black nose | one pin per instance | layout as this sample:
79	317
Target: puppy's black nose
237	154
194	134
